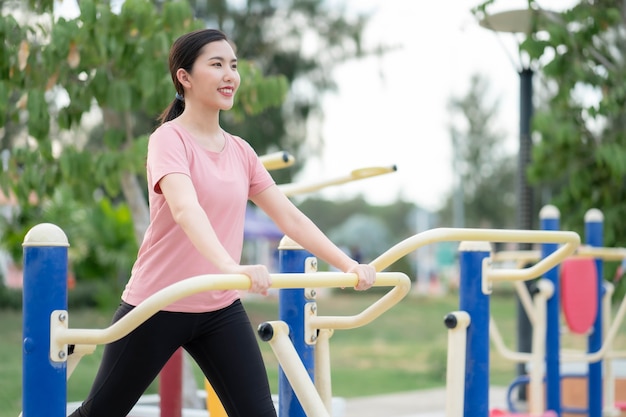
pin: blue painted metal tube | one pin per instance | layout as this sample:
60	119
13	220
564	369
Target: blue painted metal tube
44	385
475	302
549	217
594	236
291	308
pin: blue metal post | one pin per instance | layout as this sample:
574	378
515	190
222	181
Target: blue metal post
291	308
475	302
594	220
44	387
549	217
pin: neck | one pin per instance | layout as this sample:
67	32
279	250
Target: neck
205	130
206	122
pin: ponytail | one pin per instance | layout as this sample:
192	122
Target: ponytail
172	111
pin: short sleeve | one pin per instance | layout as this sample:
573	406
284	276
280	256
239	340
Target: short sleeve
260	178
167	154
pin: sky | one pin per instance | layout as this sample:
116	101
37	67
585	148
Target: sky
393	111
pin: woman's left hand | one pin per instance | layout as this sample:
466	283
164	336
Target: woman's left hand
366	274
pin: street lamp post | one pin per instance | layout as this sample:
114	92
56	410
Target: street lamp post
521	22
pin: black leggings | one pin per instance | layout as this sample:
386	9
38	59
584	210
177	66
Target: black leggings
222	342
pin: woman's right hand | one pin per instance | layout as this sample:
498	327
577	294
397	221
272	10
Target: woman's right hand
260	280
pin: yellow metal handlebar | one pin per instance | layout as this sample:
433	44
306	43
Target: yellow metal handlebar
357	174
603	253
569	241
277	160
61	336
401	283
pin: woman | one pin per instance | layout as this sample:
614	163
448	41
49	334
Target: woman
200	179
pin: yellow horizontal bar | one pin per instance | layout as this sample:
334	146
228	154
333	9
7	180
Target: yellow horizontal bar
357	174
200	283
277	160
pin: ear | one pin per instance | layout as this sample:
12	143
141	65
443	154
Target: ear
183	77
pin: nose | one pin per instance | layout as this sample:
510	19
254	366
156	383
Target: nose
229	74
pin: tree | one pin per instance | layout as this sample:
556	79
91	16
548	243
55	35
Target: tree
56	72
579	155
582	124
485	172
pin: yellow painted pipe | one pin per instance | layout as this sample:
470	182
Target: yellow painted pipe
357	174
61	335
277	160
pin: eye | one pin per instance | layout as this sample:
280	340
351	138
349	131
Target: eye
234	66
217	64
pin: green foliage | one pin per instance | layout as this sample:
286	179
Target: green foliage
102	244
106	244
116	63
582	154
579	157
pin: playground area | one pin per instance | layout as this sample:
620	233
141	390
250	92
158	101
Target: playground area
567	296
300	339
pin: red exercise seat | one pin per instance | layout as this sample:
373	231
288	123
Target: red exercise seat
579	293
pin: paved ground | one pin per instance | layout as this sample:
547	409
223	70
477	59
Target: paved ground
423	403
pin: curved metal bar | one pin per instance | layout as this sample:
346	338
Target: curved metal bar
357	174
193	285
402	285
607	344
606	254
569	240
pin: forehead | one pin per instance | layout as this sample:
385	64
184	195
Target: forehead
218	49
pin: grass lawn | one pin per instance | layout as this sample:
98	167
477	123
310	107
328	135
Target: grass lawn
405	349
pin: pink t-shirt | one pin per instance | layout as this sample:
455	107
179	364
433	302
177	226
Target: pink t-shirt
224	181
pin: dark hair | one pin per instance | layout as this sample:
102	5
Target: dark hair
183	54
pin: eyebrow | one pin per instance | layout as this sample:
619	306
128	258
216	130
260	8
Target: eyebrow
219	58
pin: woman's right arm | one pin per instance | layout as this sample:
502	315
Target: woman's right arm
182	199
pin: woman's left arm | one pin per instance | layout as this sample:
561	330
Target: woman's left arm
301	229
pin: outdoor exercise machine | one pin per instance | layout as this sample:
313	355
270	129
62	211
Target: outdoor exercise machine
47	334
576	286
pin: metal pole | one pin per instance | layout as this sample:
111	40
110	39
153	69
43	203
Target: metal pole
549	217
475	302
291	309
525	195
44	385
525	205
594	236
